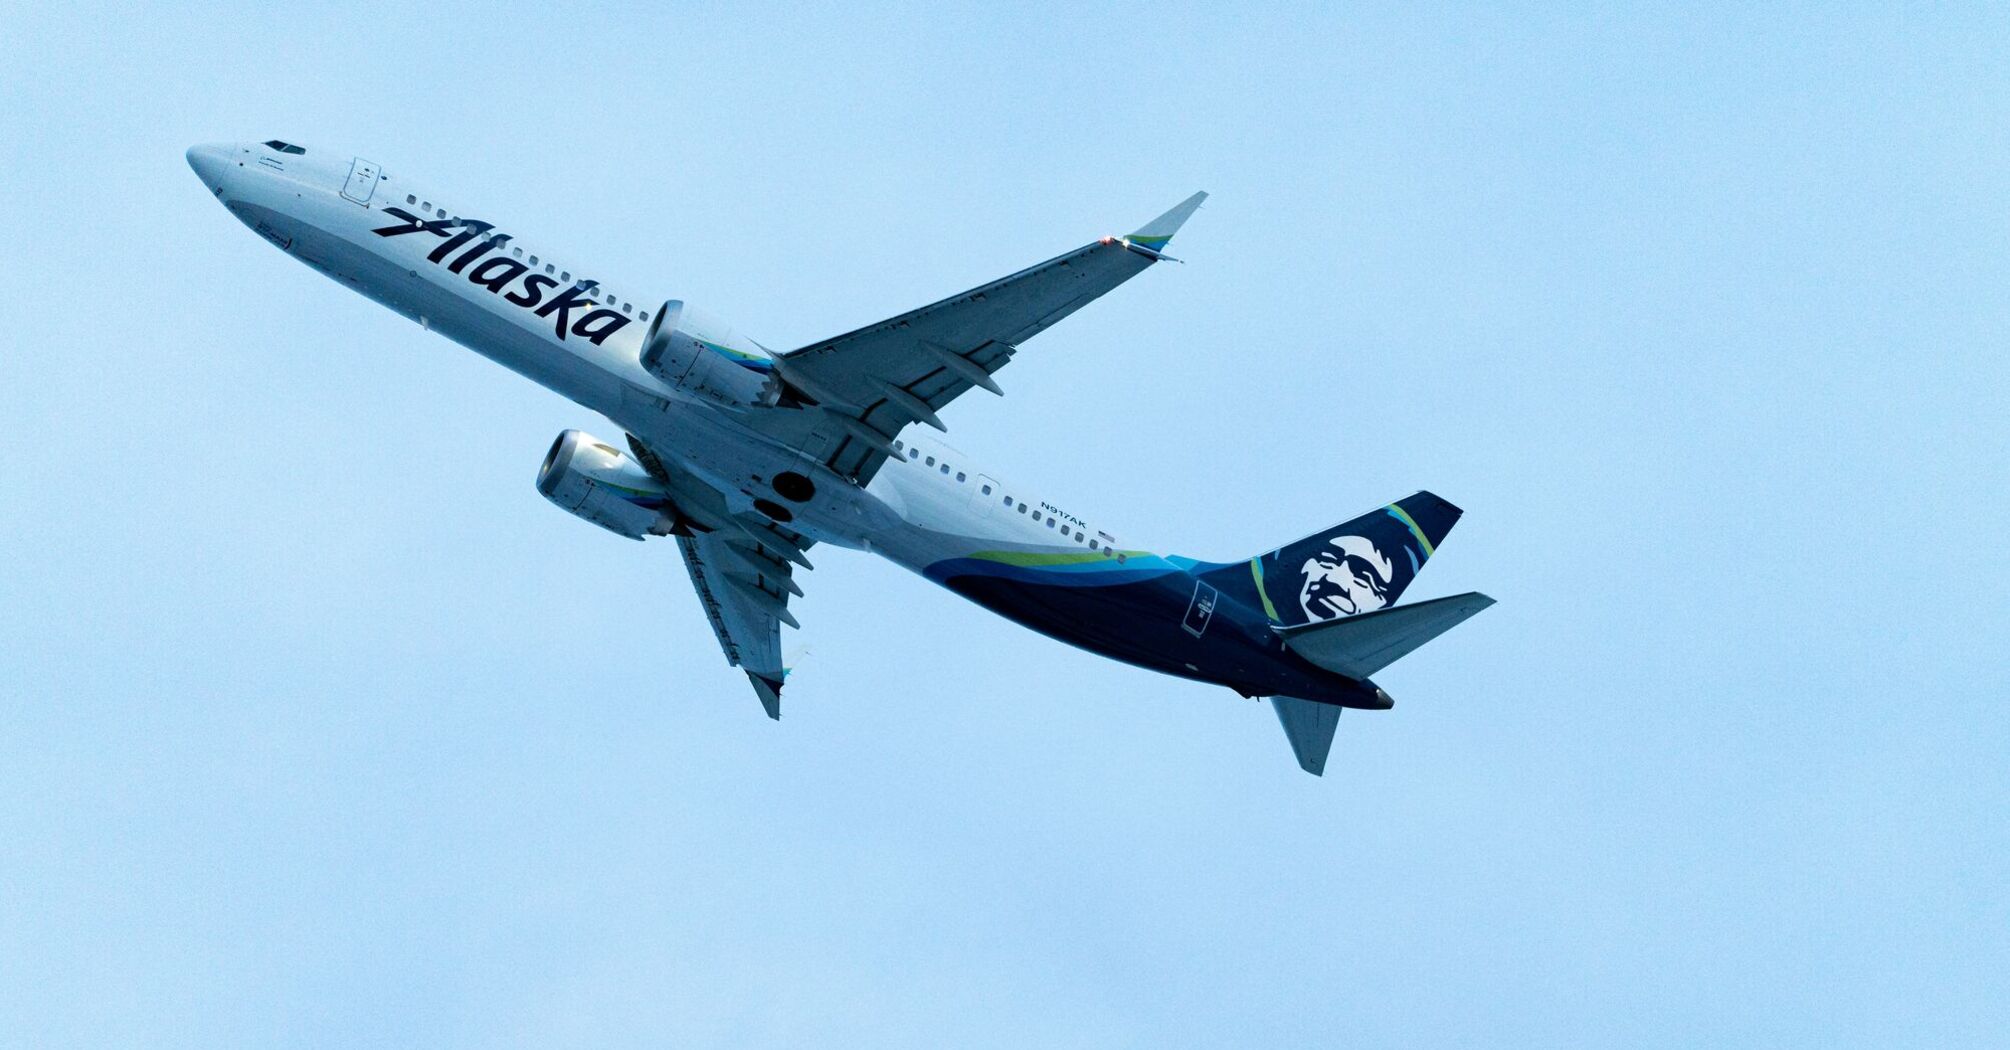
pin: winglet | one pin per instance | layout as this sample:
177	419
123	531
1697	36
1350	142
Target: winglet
1154	235
770	692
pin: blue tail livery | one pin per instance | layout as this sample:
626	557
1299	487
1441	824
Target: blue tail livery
1357	566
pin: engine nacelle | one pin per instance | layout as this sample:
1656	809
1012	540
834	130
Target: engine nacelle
707	358
604	485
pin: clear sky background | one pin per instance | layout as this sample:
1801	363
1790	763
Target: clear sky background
321	727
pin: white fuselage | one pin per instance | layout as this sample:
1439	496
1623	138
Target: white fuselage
916	511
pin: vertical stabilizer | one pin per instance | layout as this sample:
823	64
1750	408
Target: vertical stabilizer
1360	565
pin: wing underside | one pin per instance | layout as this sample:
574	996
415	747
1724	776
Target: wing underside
742	567
863	387
746	606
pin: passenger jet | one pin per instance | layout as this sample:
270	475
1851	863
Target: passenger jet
748	458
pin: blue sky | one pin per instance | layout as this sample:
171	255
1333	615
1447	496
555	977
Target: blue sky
322	728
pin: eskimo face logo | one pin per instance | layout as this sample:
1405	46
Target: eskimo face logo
499	272
1344	576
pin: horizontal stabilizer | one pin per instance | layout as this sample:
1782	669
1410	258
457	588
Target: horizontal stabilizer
1309	726
1359	646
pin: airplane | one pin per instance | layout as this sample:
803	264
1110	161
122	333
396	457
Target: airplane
748	458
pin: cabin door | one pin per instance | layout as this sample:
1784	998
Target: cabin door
362	181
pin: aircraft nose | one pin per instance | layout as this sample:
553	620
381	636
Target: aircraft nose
210	162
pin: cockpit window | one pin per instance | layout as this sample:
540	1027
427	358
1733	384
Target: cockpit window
284	147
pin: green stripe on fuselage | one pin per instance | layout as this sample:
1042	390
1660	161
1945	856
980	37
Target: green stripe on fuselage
1033	559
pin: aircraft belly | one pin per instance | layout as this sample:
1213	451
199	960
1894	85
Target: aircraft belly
746	470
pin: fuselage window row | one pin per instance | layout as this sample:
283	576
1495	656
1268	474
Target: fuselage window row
1080	536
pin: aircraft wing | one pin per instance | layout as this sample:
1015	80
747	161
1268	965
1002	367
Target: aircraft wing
742	566
745	593
862	387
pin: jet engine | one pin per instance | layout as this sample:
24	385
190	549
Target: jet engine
705	357
598	482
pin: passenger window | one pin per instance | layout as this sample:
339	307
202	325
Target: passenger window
897	446
645	315
550	269
1092	544
533	260
1050	523
1022	508
945	469
1120	558
960	479
409	199
914	453
565	277
428	206
517	252
987	492
439	213
931	461
1036	515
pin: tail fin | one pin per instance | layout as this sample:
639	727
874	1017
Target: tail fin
1354	567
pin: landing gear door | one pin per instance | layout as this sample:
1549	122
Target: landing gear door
362	181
